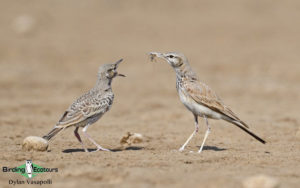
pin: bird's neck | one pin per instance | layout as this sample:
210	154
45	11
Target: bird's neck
185	71
103	84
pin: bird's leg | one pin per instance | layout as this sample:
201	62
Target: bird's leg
196	123
84	130
192	135
206	134
79	139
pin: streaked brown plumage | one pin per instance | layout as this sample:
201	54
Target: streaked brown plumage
198	97
90	107
202	94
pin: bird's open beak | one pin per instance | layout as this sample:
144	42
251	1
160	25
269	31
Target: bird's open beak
118	62
121	75
153	55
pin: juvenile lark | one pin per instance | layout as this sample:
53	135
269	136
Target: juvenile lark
89	108
198	97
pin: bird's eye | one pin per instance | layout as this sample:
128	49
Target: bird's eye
171	56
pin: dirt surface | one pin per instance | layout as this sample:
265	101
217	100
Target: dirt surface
247	51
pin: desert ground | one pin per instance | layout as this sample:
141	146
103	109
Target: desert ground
246	51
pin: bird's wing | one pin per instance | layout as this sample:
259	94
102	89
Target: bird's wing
205	96
83	109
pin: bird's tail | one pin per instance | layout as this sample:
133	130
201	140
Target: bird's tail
53	132
244	127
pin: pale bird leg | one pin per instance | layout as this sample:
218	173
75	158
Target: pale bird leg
206	134
93	141
79	139
192	135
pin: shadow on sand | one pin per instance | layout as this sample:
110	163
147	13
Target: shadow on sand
214	148
113	150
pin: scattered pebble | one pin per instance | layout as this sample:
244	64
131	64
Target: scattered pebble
23	24
260	181
35	143
131	138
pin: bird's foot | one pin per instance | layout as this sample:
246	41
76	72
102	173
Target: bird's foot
198	152
102	149
181	149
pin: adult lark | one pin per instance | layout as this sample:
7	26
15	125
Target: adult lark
198	97
89	108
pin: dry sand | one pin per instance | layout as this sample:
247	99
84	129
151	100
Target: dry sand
247	51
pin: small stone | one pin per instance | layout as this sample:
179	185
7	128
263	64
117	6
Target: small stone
131	138
260	181
23	24
35	143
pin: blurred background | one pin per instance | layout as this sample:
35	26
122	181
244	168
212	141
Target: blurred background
59	43
246	50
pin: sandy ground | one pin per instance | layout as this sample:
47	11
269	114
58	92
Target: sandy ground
247	51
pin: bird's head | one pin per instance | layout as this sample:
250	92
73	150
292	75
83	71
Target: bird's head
109	71
175	59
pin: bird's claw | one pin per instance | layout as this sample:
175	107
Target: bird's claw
102	149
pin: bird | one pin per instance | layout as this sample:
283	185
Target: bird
28	168
89	107
198	97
